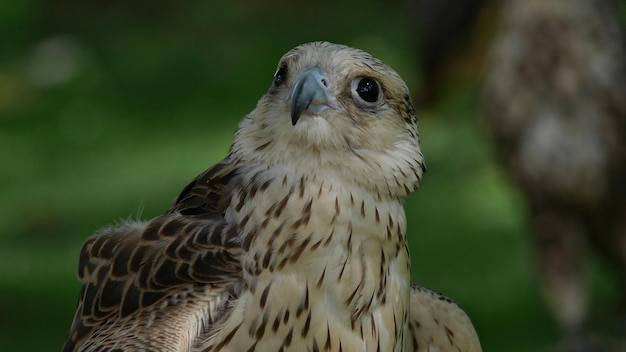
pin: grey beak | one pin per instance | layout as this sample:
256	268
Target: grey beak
309	92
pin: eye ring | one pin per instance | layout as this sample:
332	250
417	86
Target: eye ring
366	91
281	75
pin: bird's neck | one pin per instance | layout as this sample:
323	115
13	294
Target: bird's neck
391	174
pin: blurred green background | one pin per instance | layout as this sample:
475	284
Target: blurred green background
108	108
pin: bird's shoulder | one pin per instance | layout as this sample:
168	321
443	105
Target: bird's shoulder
438	323
209	193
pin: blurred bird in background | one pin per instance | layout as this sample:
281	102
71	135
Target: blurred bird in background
555	100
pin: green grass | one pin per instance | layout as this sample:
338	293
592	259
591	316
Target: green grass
155	99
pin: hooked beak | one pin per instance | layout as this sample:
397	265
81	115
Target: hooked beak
309	92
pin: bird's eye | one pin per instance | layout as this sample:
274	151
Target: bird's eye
281	75
366	89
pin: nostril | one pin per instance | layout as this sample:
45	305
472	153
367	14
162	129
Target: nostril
325	82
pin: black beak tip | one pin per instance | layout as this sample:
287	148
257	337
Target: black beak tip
297	108
295	116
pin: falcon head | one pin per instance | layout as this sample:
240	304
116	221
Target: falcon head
333	107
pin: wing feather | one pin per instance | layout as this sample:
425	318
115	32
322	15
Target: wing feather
204	195
182	263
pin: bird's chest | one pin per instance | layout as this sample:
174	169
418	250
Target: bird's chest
347	304
327	268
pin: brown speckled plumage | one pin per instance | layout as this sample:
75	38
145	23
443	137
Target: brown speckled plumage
555	98
296	241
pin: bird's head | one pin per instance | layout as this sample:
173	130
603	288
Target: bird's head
332	106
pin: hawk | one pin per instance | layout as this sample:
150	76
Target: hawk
556	102
296	241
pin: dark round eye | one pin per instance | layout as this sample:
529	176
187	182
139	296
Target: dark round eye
281	75
367	89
